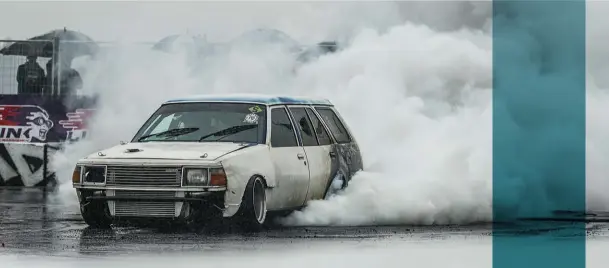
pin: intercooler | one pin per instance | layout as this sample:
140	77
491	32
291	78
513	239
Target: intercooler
155	209
137	208
144	176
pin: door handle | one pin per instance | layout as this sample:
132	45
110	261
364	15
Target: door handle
300	156
332	154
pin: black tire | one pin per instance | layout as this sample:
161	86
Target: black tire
94	214
252	214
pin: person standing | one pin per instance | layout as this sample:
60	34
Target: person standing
69	81
64	80
30	76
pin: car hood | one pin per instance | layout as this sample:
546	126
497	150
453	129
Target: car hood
169	150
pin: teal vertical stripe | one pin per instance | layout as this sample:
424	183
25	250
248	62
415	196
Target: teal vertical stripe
539	132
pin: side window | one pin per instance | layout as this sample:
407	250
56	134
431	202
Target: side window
322	134
334	124
304	126
282	131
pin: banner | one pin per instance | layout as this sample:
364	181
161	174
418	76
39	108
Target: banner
26	164
42	119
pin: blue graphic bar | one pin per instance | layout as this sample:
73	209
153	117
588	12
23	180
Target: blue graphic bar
539	122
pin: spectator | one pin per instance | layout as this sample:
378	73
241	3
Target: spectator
30	76
69	81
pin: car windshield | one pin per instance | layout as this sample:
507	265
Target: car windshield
205	122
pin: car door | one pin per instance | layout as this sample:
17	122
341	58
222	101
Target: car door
318	148
289	160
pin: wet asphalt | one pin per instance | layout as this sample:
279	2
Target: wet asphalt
30	225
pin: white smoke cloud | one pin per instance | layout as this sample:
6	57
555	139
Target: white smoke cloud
419	103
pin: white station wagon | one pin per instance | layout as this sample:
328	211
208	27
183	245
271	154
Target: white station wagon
247	158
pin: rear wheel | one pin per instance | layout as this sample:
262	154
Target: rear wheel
94	214
252	213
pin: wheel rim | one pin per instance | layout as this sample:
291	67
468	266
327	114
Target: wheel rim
259	201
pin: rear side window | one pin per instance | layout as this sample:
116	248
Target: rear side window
320	130
334	124
282	130
304	126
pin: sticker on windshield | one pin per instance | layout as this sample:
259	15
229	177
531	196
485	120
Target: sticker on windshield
255	109
251	119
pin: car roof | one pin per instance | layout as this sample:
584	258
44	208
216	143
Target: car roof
253	98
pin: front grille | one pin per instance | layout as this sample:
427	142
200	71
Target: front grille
161	176
144	209
159	209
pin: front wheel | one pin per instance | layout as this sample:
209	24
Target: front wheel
252	212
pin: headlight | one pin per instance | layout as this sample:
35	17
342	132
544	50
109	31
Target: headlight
94	174
196	177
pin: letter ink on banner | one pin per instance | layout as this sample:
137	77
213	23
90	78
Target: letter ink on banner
539	122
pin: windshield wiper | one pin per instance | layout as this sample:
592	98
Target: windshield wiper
171	133
229	131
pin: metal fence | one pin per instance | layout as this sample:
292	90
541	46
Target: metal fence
69	55
99	62
65	58
52	73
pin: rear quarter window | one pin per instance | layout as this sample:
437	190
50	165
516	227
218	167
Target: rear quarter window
335	125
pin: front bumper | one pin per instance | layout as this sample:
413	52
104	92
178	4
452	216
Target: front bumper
153	202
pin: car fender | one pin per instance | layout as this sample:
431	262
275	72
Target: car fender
239	167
